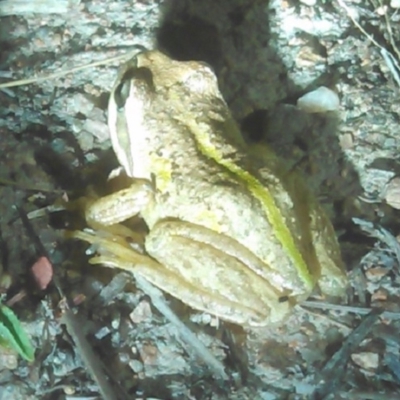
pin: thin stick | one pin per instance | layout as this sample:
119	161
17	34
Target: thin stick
55	75
185	333
388	57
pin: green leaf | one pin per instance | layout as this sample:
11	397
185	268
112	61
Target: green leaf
12	334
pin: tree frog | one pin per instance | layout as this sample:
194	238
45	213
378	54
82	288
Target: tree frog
231	231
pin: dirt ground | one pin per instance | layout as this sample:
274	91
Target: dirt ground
54	145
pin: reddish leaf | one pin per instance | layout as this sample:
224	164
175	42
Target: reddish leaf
42	272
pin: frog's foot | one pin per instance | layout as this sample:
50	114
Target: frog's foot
113	247
117	233
115	252
212	272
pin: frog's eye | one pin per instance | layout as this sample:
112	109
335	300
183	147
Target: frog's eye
139	78
121	93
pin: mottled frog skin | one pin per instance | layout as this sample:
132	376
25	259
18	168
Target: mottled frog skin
231	231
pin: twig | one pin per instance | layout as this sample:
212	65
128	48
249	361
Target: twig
390	32
90	359
381	234
348	309
329	378
20	7
185	333
23	186
55	75
388	57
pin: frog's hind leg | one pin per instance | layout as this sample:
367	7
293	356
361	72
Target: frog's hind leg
117	254
207	271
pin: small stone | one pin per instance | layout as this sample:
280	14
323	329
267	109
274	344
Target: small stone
381	10
69	390
375	274
141	313
205	319
366	360
309	2
395	3
148	353
136	366
102	332
9	359
392	193
320	100
116	321
124	357
379	296
346	141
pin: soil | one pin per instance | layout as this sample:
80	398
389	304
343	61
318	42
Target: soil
54	147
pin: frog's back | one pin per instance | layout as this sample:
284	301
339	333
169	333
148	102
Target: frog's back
209	194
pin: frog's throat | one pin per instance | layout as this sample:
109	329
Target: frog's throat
260	192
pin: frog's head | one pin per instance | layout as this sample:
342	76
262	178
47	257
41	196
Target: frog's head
152	92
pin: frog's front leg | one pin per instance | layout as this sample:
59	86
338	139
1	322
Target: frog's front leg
104	214
121	205
215	274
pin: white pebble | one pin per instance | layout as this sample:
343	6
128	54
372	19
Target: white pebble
395	3
309	2
320	100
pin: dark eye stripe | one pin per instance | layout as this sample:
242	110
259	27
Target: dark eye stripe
121	93
138	77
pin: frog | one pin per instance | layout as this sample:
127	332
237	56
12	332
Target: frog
231	231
